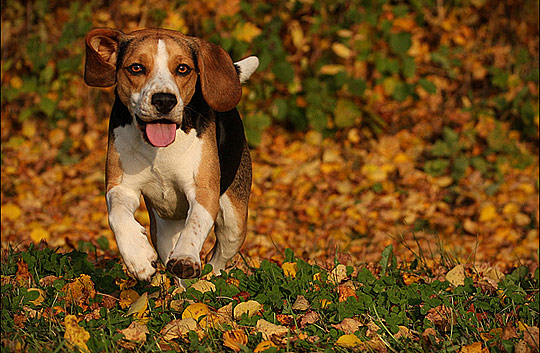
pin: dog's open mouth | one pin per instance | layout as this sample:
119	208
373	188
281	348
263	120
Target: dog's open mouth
159	133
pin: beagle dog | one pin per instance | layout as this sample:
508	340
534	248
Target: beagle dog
176	138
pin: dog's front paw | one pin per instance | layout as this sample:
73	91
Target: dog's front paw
184	266
141	262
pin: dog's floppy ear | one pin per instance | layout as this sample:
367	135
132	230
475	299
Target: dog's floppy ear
101	53
220	83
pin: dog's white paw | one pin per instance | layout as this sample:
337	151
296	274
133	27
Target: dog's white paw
139	256
184	266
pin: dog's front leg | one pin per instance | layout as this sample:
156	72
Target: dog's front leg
138	254
184	260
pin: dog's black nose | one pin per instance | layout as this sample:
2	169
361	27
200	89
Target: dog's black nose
164	102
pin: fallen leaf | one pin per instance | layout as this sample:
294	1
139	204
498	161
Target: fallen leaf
80	291
135	332
338	274
23	277
487	212
161	280
178	328
309	318
10	211
270	330
251	307
345	292
300	303
75	335
203	286
235	339
475	347
348	325
264	345
138	307
456	276
40	298
127	297
349	341
197	311
289	269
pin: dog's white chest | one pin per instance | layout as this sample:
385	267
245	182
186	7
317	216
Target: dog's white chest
166	175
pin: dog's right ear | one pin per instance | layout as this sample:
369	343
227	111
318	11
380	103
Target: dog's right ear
101	54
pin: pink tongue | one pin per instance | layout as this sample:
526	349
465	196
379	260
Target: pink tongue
161	135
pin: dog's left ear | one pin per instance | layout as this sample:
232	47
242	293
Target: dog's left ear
101	54
220	83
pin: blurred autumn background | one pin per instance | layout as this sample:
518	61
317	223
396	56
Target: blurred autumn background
371	123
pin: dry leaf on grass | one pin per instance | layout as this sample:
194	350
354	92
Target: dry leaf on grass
251	307
300	303
178	328
75	335
348	325
235	339
269	330
134	334
456	276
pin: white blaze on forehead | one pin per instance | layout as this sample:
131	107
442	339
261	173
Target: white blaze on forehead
162	75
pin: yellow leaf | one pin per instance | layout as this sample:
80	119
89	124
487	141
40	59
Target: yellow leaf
246	32
38	234
264	345
456	276
235	339
204	286
197	311
342	50
251	307
476	347
325	302
139	306
29	128
349	341
75	335
39	299
10	211
374	172
161	280
331	69
297	34
80	290
127	297
16	82
289	269
487	212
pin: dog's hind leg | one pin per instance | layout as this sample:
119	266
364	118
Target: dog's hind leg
230	232
231	222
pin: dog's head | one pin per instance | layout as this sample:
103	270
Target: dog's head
157	72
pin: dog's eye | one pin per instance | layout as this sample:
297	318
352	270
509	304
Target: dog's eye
183	69
136	69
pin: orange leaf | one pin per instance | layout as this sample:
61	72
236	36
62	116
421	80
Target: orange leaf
234	339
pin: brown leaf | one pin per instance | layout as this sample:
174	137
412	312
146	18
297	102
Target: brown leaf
270	330
135	332
300	303
177	328
308	318
348	325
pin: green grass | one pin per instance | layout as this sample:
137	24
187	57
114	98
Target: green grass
382	303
